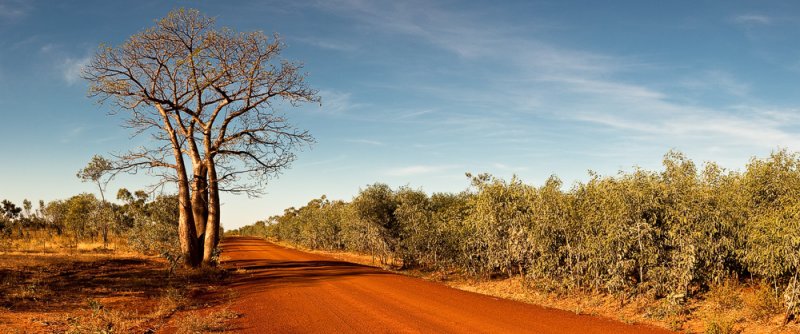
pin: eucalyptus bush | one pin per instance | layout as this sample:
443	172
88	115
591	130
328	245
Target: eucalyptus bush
668	234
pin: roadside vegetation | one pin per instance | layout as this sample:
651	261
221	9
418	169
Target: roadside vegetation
143	224
84	265
688	242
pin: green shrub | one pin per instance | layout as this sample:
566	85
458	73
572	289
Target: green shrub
668	234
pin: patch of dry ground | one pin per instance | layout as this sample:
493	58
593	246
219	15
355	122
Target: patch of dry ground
105	291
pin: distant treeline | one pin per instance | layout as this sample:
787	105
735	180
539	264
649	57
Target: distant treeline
669	234
145	224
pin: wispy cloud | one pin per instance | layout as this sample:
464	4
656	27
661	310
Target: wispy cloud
741	126
365	142
507	168
717	80
336	102
752	19
11	10
331	161
409	114
329	44
68	66
569	85
72	133
419	170
71	68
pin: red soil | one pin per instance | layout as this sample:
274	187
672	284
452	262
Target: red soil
283	290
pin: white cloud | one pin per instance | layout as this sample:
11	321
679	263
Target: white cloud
11	10
718	81
752	19
72	133
335	102
412	114
71	68
365	141
600	87
68	66
48	48
331	161
504	167
571	85
329	44
419	170
736	127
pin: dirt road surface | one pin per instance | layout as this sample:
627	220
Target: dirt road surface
281	290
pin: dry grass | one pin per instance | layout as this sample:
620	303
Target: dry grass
762	304
206	322
103	320
37	242
96	290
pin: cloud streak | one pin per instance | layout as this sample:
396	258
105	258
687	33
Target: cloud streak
568	85
12	10
337	102
365	142
752	19
329	44
416	170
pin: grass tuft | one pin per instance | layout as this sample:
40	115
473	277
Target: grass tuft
206	323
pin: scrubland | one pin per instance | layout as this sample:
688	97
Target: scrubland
691	248
59	273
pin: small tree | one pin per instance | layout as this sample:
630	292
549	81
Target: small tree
11	212
78	215
97	171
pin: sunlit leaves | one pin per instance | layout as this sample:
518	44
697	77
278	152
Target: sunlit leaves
668	234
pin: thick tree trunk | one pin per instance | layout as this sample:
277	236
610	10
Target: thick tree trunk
199	205
186	229
212	226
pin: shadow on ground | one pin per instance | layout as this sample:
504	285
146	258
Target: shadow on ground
51	283
261	274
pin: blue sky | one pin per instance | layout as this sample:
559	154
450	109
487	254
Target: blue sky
417	93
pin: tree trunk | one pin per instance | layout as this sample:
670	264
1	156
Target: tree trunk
105	235
199	204
186	229
212	226
187	235
103	217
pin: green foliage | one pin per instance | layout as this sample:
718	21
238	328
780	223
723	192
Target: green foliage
78	217
150	227
669	234
154	229
501	220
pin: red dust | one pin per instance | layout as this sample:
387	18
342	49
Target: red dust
282	290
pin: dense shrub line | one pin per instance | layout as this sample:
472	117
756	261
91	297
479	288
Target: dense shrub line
148	225
668	234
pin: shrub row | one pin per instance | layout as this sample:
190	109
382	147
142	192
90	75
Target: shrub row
149	226
667	234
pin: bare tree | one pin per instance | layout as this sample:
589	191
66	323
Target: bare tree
209	99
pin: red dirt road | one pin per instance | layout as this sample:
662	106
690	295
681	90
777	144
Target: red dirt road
280	290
